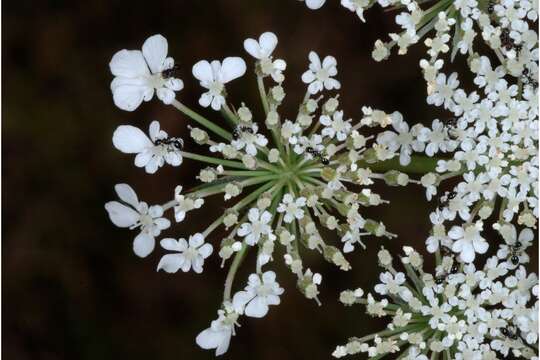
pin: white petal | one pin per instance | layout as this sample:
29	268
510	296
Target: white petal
173	245
155	50
127	194
128	63
253	48
315	4
210	339
206	250
308	77
128	96
121	215
171	263
143	245
257	308
232	68
268	42
130	140
143	158
240	299
203	71
165	95
196	240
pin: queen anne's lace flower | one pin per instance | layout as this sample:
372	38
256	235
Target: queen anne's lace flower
213	76
261	291
188	254
134	214
319	76
139	73
308	174
152	153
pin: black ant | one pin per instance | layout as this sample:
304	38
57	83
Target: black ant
506	40
445	199
324	160
451	125
237	132
440	279
169	73
491	7
177	143
511	334
514	252
528	78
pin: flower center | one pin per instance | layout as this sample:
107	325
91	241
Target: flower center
215	88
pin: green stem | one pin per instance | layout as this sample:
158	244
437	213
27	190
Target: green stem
213	160
262	93
202	120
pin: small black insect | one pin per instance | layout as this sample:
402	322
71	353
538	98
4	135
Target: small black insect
509	333
506	40
515	251
315	153
237	132
169	73
454	268
177	143
440	279
445	199
446	251
491	7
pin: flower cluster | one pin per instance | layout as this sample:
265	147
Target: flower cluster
486	147
283	178
460	312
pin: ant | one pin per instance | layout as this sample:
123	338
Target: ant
511	334
237	132
324	160
445	199
491	7
177	143
514	252
451	125
169	73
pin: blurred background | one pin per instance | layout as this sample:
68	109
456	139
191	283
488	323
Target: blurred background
72	287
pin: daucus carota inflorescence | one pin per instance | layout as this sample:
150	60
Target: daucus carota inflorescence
489	150
283	178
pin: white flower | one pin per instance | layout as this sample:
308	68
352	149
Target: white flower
189	255
137	214
257	295
218	335
442	90
390	283
249	139
335	126
468	242
403	140
152	153
185	204
258	226
262	50
213	76
292	207
139	73
314	4
319	76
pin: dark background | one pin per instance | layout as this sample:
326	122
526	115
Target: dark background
72	287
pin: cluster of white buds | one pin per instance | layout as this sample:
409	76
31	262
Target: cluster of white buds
284	178
459	312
